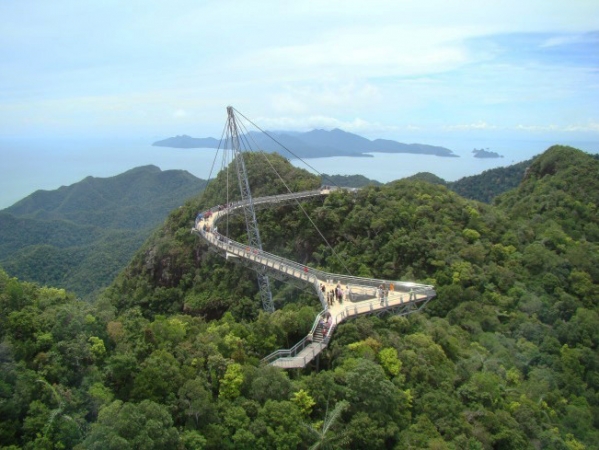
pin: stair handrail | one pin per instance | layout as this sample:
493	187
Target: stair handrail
317	320
291	352
285	353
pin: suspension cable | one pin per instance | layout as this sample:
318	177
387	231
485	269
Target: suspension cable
245	133
214	162
282	146
225	167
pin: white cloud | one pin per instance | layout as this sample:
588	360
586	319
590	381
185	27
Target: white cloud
356	125
480	125
567	39
358	52
305	97
536	128
390	62
589	127
287	103
180	113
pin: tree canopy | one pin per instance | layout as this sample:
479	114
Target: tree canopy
504	358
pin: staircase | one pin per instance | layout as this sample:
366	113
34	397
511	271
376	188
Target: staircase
318	334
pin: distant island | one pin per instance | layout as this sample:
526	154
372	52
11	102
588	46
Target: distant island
313	144
482	153
185	141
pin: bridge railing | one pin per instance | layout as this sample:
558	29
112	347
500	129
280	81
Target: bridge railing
287	353
349	282
352	285
358	289
355	286
278	198
308	340
252	254
351	310
291	362
319	318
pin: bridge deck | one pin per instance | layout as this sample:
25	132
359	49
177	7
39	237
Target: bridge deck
361	295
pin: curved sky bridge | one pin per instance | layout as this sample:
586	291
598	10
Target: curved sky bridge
360	295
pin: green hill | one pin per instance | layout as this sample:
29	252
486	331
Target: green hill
80	236
483	187
138	198
353	181
562	186
491	183
173	271
428	177
504	358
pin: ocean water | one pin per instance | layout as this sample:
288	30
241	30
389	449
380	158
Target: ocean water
385	167
27	165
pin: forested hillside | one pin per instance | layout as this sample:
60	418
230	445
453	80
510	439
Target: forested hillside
483	187
504	358
354	181
428	177
80	236
126	201
491	183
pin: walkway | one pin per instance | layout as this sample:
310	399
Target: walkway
361	295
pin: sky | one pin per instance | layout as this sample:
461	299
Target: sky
403	70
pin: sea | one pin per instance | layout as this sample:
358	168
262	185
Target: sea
28	165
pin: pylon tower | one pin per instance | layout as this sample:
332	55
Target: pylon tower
251	223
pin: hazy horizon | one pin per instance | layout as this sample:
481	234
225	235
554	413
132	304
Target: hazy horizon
41	164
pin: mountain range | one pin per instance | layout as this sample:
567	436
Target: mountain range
311	144
80	236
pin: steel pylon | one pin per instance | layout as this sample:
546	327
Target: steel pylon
248	206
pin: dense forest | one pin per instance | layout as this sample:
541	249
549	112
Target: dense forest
505	357
483	187
491	183
353	181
